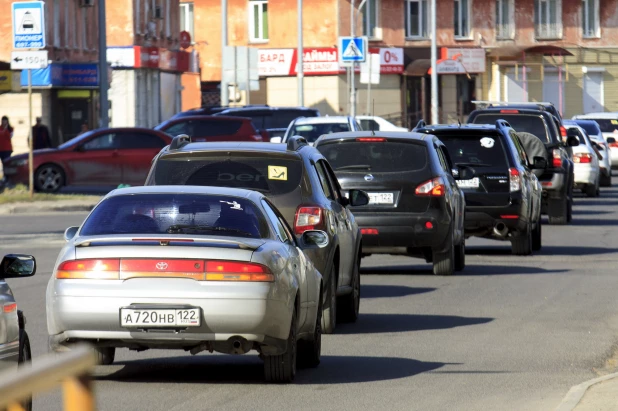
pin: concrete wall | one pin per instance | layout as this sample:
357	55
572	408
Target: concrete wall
122	96
128	22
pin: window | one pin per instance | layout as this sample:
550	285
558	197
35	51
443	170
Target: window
311	132
416	18
66	26
548	19
367	124
104	142
370	19
258	20
519	147
138	17
84	28
186	18
504	19
377	157
279	228
75	28
168	29
56	23
324	181
461	22
590	18
133	141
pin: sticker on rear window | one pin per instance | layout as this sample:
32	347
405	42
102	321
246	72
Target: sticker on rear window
277	173
233	205
614	121
487	142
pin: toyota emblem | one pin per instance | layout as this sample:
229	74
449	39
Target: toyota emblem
161	266
368	177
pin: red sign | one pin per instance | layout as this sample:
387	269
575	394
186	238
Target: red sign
146	57
185	39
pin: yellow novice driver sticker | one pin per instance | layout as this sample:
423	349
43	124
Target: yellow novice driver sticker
277	173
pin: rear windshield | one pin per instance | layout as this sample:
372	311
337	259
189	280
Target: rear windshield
607	125
528	123
273	118
193	214
485	151
203	128
312	132
590	126
272	176
378	157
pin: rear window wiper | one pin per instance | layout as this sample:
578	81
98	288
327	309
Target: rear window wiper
473	164
355	167
180	228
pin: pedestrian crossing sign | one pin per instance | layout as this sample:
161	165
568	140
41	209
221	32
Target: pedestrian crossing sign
352	50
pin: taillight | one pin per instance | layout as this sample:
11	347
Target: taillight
563	131
308	218
509	111
237	271
135	268
557	158
369	231
92	269
371	139
514	179
509	216
10	307
613	145
582	158
433	188
429	225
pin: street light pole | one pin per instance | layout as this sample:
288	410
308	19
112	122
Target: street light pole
352	80
299	72
103	78
434	64
225	96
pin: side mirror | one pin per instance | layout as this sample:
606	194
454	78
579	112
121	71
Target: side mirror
539	163
70	232
610	140
464	173
17	265
572	141
313	239
275	139
358	198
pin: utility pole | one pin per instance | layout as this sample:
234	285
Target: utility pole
434	64
225	97
300	72
352	80
103	79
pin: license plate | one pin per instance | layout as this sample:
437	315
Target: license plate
381	198
180	317
472	183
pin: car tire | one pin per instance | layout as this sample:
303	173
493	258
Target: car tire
329	311
348	305
537	236
105	355
49	178
591	190
444	262
25	356
460	255
522	244
606	181
557	211
282	368
310	351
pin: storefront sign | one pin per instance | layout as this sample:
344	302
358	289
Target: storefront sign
449	67
83	75
472	59
148	57
321	61
121	56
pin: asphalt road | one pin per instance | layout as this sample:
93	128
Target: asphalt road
509	333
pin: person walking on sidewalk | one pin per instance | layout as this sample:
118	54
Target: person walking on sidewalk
41	135
6	134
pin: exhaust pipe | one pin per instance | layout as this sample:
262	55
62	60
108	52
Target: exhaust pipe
501	230
239	346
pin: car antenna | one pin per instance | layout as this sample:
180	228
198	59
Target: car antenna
373	123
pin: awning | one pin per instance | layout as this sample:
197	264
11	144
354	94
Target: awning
517	51
417	68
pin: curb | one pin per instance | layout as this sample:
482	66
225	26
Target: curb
576	393
45	208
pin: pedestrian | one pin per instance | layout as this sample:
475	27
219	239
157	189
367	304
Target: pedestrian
41	135
6	134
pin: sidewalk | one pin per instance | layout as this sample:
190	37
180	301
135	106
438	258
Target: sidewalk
38	207
599	394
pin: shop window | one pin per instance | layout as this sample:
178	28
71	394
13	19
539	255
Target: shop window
505	27
416	19
186	18
461	22
258	20
590	18
56	23
466	93
370	11
548	19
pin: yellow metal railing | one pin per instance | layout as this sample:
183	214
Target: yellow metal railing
70	370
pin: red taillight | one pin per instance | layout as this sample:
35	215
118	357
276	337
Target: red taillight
10	307
369	231
563	131
428	225
371	139
613	145
94	269
557	159
433	188
509	216
582	158
308	218
237	271
509	111
514	179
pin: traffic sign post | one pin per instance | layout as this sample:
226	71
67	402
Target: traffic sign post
29	60
370	74
352	50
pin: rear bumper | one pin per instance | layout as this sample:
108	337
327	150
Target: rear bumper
481	221
553	182
585	174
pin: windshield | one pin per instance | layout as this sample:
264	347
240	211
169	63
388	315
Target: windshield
476	150
194	214
527	123
591	127
77	140
312	132
607	125
378	157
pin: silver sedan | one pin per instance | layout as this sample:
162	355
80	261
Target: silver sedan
193	268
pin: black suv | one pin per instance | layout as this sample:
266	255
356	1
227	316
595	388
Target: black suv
416	207
503	200
300	183
557	179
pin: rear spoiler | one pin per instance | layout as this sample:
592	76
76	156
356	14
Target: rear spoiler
243	244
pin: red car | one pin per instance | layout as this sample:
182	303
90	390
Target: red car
210	128
104	157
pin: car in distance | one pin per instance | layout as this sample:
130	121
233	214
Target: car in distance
212	128
300	183
313	127
586	161
192	268
378	123
503	199
608	123
102	157
598	142
415	207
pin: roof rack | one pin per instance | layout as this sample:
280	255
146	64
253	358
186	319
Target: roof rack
502	123
486	103
420	124
179	141
296	142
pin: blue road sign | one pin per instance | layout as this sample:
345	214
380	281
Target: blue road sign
28	25
352	49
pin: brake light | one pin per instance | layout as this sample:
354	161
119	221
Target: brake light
509	111
563	131
92	269
131	268
308	218
237	271
613	145
369	231
429	225
582	158
10	307
433	188
509	216
557	158
514	179
371	139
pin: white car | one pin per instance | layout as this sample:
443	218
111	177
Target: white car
586	162
378	124
608	123
311	128
596	137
